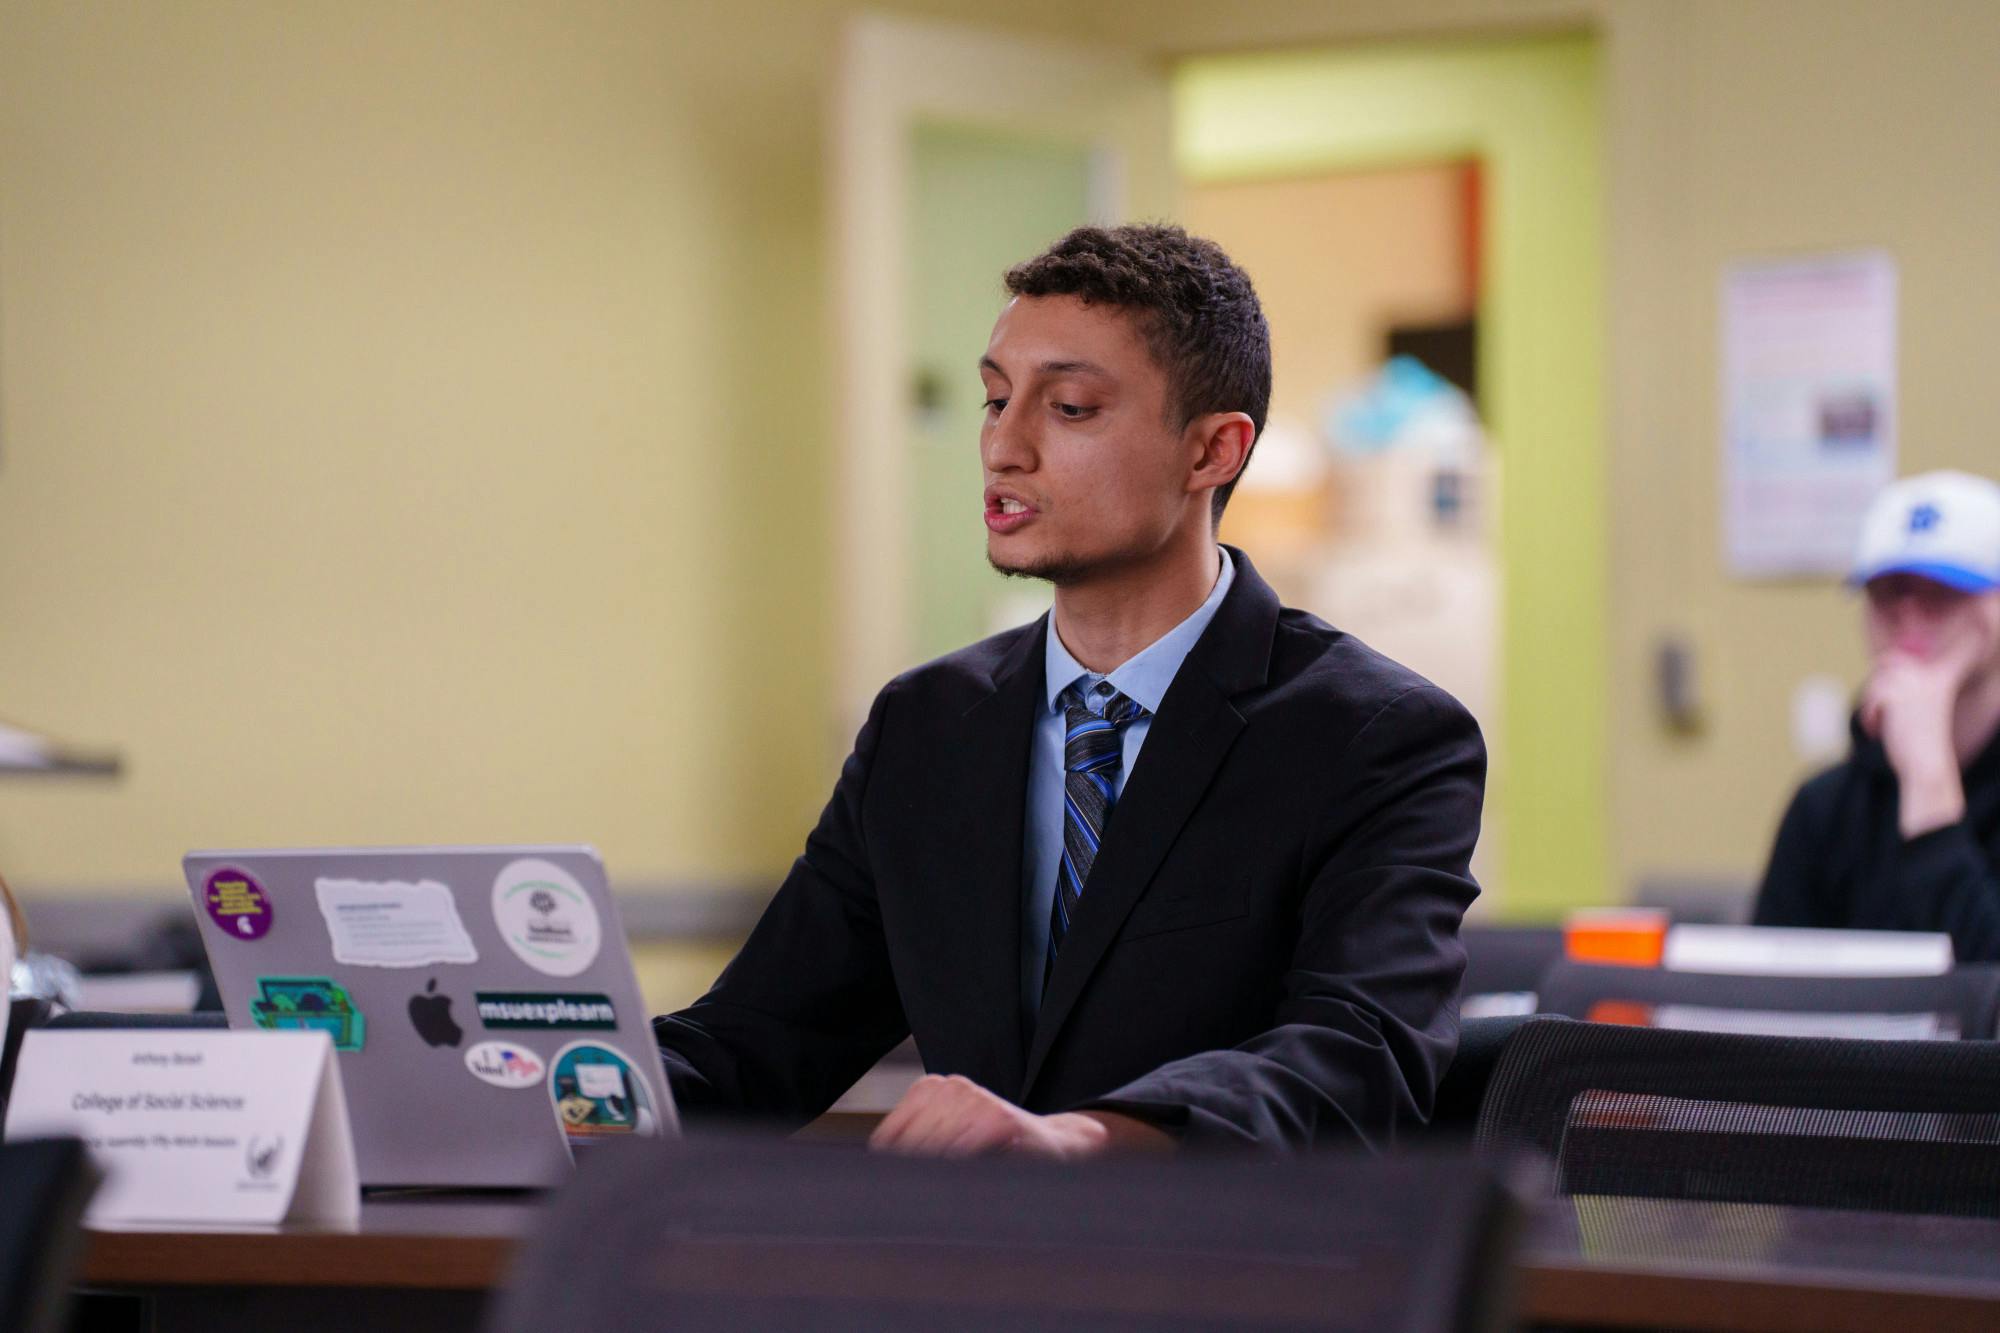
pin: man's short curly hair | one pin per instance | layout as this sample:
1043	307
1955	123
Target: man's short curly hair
1196	310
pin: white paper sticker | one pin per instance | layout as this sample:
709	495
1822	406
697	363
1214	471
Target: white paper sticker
391	923
505	1064
546	917
190	1126
600	1080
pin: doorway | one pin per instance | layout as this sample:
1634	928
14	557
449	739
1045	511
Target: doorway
1527	109
1369	501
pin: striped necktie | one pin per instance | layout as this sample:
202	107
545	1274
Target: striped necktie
1092	752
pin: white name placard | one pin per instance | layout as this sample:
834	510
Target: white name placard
1796	951
196	1126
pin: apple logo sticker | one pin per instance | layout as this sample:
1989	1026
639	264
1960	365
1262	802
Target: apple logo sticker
430	1015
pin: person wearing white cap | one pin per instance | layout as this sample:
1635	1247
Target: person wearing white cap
1905	833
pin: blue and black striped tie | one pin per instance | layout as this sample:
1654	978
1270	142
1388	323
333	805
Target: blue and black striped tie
1092	752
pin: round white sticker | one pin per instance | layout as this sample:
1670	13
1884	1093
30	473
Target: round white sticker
505	1064
546	917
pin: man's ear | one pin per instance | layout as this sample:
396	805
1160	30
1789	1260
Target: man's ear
1221	443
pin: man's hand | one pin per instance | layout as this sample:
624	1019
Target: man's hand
951	1116
1907	705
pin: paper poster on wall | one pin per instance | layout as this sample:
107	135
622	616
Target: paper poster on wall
1808	408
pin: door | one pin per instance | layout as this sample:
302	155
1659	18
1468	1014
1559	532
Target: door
1077	133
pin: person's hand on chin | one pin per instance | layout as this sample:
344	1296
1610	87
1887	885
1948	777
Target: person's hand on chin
951	1116
1907	705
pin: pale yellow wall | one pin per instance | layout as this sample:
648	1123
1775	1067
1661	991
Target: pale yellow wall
384	407
412	417
672	974
414	427
1766	128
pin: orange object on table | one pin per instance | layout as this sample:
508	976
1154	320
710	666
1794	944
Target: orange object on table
1629	936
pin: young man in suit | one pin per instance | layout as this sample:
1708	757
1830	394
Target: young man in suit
1171	864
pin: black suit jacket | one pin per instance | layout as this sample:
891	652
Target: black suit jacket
1266	951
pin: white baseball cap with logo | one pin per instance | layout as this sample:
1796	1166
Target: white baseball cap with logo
1944	526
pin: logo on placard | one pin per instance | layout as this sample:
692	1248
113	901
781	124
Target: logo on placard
504	1065
237	903
430	1015
534	1009
546	917
260	1159
597	1095
309	1004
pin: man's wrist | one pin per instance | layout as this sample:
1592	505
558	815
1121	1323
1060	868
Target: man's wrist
1929	801
1112	1132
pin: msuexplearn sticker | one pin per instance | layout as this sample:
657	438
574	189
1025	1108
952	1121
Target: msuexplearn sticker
540	1009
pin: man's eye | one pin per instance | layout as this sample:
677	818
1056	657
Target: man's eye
1072	411
996	405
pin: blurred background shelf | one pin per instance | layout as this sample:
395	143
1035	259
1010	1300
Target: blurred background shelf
26	753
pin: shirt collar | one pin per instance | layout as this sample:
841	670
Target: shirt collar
1144	677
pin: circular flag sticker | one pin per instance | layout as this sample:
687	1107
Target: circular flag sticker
598	1094
238	904
546	917
504	1064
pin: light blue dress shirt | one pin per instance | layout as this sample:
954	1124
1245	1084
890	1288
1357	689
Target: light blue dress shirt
1142	678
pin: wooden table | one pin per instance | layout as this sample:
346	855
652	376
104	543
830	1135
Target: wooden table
1650	1263
430	1262
416	1261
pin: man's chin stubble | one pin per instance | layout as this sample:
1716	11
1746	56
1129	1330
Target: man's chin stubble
1058	570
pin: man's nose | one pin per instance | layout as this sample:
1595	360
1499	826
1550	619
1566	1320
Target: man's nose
1005	445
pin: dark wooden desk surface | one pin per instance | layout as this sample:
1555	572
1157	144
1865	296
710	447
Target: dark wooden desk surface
435	1242
1622	1263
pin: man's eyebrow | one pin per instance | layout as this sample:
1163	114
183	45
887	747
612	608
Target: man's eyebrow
1074	368
1051	367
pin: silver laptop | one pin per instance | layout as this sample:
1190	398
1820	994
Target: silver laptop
481	999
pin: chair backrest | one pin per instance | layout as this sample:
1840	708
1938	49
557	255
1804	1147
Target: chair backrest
44	1185
1481	1043
1896	1126
773	1235
1962	1003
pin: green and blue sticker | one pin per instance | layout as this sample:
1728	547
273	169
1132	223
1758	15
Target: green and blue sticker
309	1004
598	1095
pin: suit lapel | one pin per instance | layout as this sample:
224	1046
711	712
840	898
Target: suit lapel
1189	737
981	850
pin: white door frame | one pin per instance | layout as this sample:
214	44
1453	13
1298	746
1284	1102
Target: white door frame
892	74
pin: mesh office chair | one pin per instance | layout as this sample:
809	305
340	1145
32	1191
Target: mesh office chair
1960	1003
1481	1044
44	1185
1893	1126
772	1235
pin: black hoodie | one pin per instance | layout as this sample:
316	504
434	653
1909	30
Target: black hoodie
1840	859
